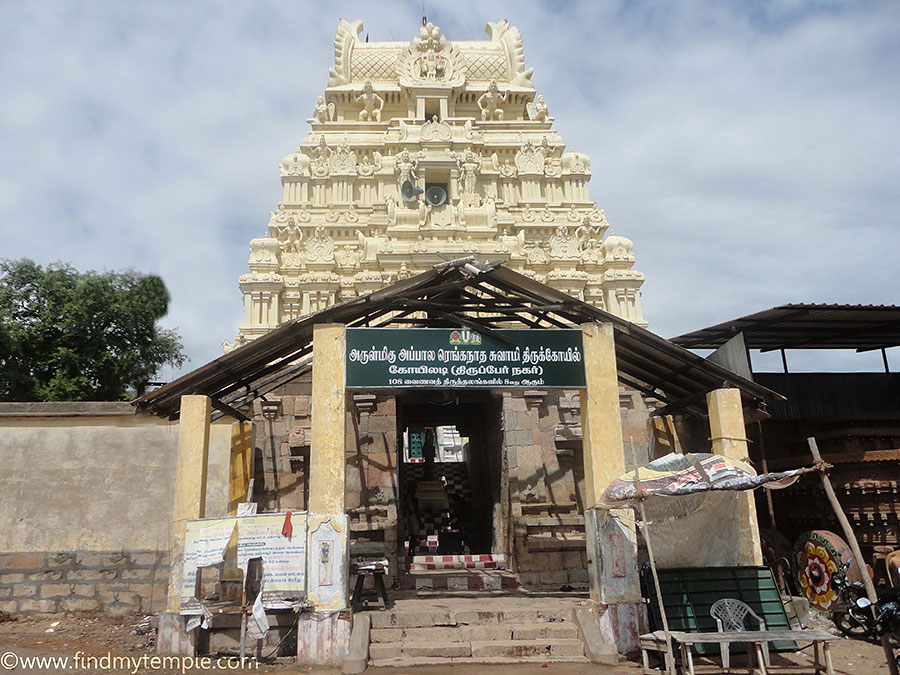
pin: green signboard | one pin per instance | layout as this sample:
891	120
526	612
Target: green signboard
461	358
416	442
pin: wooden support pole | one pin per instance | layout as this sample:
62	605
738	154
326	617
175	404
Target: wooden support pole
854	544
644	525
670	655
765	468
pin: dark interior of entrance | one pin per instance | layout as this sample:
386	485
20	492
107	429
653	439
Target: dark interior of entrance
449	463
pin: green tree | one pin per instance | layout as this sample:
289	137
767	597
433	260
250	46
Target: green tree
71	336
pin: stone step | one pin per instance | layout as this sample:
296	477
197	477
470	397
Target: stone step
519	648
494	649
540	631
477	632
418	662
459	580
402	619
436	649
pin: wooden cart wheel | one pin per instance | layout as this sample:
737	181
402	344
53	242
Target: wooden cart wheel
817	556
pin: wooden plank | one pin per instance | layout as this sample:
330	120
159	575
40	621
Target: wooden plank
708	637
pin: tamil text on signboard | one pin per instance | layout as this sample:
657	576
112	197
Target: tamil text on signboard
456	358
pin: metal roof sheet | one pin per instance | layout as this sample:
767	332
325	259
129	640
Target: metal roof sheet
805	326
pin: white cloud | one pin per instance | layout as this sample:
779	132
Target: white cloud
749	149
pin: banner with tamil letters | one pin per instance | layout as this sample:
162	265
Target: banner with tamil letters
266	536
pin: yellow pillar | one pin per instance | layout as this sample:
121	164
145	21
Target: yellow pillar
612	569
239	466
190	485
329	409
231	588
601	424
729	439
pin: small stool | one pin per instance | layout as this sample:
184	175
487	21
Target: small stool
377	569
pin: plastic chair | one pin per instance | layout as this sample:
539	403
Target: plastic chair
730	614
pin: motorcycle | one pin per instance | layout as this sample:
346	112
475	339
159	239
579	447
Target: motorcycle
886	617
849	618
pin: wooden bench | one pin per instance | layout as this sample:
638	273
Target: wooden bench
755	639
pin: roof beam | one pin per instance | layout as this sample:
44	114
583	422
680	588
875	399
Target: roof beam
226	409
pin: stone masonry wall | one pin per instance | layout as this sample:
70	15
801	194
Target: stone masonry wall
281	461
542	442
542	450
371	475
281	448
115	583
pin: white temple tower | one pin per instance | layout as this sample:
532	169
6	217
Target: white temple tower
460	116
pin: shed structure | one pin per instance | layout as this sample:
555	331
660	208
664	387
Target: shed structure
533	460
854	416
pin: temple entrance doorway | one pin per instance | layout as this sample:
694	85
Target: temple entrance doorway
449	473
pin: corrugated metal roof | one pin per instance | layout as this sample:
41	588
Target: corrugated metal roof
805	326
464	293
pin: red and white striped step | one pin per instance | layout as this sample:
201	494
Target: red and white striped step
482	561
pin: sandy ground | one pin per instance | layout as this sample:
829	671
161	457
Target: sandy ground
27	639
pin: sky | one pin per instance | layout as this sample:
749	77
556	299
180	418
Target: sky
751	150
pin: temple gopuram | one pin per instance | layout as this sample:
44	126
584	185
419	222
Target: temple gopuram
488	176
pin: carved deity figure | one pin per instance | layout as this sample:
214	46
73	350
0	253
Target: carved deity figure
372	104
322	150
469	164
490	101
406	166
537	110
320	156
432	65
294	237
587	232
490	203
390	207
323	112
